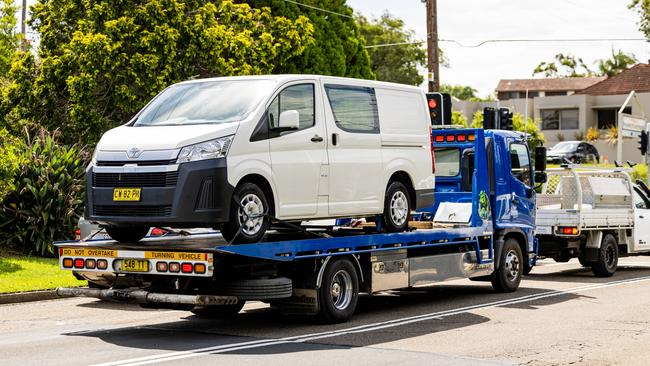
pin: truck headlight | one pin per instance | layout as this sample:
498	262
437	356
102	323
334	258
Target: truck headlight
217	148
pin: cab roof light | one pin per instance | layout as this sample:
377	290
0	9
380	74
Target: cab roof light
461	138
440	138
450	138
470	137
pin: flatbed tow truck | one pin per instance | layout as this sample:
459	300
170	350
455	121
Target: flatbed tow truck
481	228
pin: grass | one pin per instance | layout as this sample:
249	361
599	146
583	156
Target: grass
19	274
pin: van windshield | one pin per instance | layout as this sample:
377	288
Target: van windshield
206	102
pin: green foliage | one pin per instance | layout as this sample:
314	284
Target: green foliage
640	171
530	127
477	119
570	66
18	274
338	47
642	7
461	92
458	118
46	201
619	62
10	159
397	63
100	61
9	39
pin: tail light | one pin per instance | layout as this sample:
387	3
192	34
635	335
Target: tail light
187	268
79	263
433	157
77	234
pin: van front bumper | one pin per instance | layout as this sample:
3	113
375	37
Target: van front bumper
194	194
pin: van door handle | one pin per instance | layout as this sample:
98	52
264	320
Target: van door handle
335	139
316	138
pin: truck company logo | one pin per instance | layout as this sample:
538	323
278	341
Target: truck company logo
134	153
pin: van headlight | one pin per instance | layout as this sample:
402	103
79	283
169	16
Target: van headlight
217	148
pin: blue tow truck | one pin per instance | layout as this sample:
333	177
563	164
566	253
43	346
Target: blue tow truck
481	227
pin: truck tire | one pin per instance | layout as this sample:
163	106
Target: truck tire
397	207
248	199
508	276
127	234
339	291
218	311
607	262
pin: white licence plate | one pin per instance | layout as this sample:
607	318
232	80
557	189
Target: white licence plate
544	230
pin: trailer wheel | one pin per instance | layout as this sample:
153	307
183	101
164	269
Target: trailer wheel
397	208
339	291
218	311
511	265
248	209
607	261
127	234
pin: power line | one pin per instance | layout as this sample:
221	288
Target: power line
319	9
512	41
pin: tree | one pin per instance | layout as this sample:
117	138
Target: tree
643	8
571	66
9	39
458	118
530	127
338	48
398	63
100	61
461	92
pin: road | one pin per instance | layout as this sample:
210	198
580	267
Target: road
561	315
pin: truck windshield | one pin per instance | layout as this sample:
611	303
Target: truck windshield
206	102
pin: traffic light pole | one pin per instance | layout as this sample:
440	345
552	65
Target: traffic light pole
433	61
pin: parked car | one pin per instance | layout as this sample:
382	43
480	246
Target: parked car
225	152
574	152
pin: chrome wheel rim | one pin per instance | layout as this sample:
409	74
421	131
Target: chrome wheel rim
251	210
512	265
399	208
341	290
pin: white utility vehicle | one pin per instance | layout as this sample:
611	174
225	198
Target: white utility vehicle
594	215
234	152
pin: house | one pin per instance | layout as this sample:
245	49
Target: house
519	88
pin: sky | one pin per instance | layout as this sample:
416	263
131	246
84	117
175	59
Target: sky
472	21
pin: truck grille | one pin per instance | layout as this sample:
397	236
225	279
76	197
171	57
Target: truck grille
135	180
159	211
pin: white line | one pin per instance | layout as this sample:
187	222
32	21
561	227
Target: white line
363	328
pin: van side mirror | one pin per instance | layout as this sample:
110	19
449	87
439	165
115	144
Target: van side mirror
289	120
540	159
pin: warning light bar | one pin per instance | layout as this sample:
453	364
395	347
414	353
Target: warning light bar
454	138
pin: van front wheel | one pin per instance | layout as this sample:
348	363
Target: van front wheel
248	210
397	207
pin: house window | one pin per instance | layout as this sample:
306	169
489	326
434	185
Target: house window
609	117
560	119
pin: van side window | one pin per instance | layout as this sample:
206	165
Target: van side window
354	108
295	97
520	163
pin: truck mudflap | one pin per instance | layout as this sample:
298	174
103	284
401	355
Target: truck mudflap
139	296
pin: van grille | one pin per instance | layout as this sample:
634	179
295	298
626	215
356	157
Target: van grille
135	180
159	211
137	162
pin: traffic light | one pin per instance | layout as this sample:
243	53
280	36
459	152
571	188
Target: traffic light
446	108
643	143
489	118
505	119
434	100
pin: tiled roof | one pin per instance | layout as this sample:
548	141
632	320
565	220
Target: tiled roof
635	78
555	84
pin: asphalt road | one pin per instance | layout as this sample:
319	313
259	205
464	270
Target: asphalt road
560	315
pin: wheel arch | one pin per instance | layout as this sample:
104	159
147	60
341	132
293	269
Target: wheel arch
264	185
353	259
404	178
516	234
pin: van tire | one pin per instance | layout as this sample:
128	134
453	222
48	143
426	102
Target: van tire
607	262
395	203
511	265
127	234
253	198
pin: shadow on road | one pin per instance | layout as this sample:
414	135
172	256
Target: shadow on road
584	275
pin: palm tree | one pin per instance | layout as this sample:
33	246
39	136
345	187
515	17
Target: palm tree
619	62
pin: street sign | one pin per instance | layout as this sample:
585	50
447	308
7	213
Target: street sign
631	125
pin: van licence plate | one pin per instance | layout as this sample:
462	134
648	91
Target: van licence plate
126	194
135	265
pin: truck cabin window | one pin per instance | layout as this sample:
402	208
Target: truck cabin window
520	163
204	102
297	97
447	161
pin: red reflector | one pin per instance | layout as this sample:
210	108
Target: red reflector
174	267
161	266
470	137
67	262
460	138
102	264
432	103
79	263
199	268
90	263
450	138
440	138
186	267
158	231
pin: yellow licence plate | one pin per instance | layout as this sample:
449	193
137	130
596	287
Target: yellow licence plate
135	265
126	194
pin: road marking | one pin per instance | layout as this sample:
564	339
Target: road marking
361	328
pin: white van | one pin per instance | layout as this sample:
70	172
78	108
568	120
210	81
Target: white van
224	152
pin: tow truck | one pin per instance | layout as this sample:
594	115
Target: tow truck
481	227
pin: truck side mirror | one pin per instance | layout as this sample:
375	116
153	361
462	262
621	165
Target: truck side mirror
540	159
289	120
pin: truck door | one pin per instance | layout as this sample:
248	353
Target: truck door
641	225
522	204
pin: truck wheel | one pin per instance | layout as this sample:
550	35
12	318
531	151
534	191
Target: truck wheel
339	291
127	234
607	261
248	209
511	265
218	311
397	207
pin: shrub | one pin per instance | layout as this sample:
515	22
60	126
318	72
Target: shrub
592	134
579	136
458	118
47	199
559	136
10	158
640	171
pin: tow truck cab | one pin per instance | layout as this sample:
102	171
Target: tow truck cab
510	173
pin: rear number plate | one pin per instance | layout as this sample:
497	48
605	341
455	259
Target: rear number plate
135	265
126	194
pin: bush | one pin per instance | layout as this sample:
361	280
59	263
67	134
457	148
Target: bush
47	199
640	171
458	118
10	158
592	134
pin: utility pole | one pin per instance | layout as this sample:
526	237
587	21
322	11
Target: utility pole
433	62
23	26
